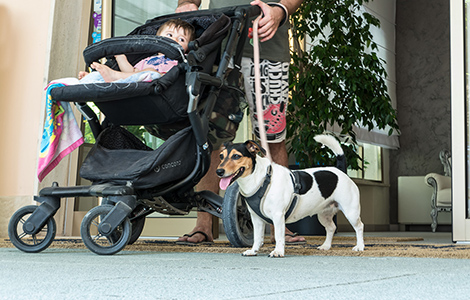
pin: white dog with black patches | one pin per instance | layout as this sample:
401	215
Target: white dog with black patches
277	195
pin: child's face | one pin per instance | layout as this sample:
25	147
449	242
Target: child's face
176	34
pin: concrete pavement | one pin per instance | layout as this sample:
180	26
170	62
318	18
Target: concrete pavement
80	274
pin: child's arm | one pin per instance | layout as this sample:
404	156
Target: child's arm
124	64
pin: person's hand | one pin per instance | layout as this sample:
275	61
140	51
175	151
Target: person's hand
187	6
273	16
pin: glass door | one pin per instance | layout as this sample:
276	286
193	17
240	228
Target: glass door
129	14
460	103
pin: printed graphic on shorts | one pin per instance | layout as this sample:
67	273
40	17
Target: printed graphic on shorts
275	118
274	95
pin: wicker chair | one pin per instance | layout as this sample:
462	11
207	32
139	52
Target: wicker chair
441	199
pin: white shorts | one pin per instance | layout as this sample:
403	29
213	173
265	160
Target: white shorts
274	94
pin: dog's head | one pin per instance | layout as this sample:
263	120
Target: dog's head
236	161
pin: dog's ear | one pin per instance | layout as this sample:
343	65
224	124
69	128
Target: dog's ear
253	147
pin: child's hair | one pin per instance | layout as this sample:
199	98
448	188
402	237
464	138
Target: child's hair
178	23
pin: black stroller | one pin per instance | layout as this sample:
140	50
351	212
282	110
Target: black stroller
132	179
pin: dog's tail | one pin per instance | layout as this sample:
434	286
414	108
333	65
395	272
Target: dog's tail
331	142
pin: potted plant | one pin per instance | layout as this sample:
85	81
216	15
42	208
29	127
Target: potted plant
337	78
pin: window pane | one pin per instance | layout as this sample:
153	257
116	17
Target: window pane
358	173
371	164
128	14
373	158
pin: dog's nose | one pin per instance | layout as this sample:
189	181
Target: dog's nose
220	172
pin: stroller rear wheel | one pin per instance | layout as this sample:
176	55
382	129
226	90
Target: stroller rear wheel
31	243
99	243
236	218
137	227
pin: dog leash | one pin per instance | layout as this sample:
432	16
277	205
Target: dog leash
259	105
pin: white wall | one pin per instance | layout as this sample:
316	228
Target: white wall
40	40
23	45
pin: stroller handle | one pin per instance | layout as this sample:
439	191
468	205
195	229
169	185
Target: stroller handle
249	11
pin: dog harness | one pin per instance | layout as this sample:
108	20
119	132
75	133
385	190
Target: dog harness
255	200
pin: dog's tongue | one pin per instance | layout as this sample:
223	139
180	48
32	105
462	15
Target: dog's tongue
225	182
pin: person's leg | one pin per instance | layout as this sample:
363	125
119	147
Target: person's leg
210	182
93	77
276	84
109	74
279	153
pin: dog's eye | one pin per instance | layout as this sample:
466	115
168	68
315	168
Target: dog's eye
221	156
236	156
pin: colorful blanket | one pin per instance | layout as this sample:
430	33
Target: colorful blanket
61	134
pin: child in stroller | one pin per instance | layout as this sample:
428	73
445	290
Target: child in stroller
133	180
176	29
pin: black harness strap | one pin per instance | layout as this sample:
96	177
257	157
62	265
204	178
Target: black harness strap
254	201
297	186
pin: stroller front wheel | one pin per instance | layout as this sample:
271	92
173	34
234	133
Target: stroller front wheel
99	243
31	243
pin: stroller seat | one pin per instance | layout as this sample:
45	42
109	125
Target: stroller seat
162	101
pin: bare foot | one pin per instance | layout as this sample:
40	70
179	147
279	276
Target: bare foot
107	73
291	238
198	235
203	224
82	74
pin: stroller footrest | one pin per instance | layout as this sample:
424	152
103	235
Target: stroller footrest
99	190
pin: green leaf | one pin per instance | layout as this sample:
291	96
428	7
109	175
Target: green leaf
335	80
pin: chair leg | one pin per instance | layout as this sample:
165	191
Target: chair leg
434	219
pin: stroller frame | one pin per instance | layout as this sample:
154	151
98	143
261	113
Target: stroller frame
121	215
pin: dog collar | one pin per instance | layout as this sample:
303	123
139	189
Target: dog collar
255	200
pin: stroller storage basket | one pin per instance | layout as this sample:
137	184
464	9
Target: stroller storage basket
120	158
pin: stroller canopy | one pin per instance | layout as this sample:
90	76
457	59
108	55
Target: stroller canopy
164	100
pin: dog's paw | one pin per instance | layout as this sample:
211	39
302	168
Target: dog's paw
324	247
250	253
276	254
358	248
